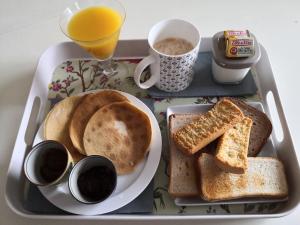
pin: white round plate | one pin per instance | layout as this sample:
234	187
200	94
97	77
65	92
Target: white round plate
128	187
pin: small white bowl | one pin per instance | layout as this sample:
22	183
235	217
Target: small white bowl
35	160
85	165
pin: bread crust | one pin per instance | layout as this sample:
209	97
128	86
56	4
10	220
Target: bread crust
261	129
175	156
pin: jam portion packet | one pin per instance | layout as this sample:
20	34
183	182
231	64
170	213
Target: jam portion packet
238	43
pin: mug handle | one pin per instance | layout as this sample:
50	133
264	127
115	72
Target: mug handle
139	70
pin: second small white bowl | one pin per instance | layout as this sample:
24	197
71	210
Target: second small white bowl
82	168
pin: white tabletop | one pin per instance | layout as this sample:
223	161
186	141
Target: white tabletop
27	28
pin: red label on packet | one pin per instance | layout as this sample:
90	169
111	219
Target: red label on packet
242	42
240	33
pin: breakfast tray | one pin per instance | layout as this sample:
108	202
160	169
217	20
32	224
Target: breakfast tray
59	74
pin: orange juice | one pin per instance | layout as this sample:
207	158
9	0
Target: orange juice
96	29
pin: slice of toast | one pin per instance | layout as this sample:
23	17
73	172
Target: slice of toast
183	178
208	127
233	146
183	167
261	128
265	177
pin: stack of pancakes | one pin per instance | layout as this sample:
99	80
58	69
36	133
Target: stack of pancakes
103	123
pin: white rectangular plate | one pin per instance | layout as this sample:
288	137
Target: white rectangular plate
268	150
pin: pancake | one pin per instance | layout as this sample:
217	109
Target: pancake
120	132
84	111
57	124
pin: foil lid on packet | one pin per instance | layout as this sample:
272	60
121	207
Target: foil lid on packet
238	44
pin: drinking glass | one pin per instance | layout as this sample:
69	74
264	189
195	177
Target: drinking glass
103	46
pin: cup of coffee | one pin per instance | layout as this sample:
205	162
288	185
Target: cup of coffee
93	179
174	46
47	163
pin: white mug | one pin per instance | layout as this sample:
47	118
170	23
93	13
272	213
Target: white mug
170	73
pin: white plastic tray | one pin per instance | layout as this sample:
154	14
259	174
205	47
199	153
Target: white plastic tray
36	108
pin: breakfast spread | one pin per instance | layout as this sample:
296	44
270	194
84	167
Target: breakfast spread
209	152
108	143
212	154
225	167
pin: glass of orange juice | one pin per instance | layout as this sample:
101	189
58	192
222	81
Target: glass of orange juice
95	26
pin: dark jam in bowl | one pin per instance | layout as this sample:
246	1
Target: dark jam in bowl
97	183
53	165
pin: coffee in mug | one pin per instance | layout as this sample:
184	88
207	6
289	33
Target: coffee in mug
174	46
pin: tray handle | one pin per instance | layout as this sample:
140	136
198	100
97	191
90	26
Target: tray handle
32	122
270	97
15	184
283	140
274	109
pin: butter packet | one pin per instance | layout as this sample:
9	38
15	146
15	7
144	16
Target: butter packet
238	44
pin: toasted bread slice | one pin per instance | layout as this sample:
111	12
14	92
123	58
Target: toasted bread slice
232	147
261	128
183	178
265	177
208	127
